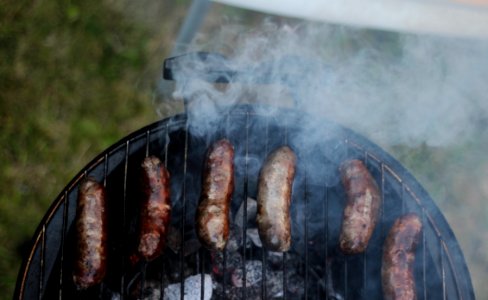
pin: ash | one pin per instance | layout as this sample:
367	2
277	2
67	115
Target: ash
192	289
245	270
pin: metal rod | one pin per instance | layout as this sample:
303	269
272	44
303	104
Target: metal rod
345	277
147	143
424	257
202	274
285	271
63	238
124	221
192	22
224	270
42	264
143	280
183	218
105	172
264	291
244	221
284	276
363	255
306	234
166	145
443	271
224	262
161	281
326	229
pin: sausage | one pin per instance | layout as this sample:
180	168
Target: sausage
274	198
362	207
90	264
212	216
398	258
155	208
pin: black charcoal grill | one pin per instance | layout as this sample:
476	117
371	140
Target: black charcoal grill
312	269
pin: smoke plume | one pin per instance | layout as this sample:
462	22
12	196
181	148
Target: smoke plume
396	89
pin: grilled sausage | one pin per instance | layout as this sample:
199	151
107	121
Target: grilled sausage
217	187
398	258
155	208
90	262
362	207
274	198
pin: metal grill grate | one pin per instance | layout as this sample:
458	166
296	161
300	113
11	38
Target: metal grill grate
317	204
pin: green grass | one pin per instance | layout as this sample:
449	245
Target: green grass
70	82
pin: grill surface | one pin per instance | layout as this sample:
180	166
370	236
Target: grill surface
317	204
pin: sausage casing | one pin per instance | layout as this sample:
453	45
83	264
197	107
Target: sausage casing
217	187
274	199
398	258
155	208
90	264
362	207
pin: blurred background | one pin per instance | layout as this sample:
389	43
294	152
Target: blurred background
77	76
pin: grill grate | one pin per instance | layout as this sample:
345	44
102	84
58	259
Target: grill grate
440	269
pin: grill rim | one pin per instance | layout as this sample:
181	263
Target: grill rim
449	245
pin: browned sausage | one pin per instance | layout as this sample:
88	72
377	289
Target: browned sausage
217	187
398	258
362	207
155	208
90	263
274	198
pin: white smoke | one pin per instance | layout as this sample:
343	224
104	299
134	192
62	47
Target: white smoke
402	89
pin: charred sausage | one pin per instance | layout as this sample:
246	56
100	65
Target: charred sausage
362	207
398	258
217	187
91	228
155	208
274	198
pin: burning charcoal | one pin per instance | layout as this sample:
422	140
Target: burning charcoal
174	239
173	269
191	246
331	293
152	291
233	261
107	293
252	208
275	259
274	284
192	288
253	274
253	235
235	239
295	285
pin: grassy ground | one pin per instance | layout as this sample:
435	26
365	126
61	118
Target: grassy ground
76	76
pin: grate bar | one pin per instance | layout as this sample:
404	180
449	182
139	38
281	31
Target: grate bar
183	218
202	273
443	271
424	257
161	281
42	263
326	230
224	263
264	291
143	280
363	255
63	238
306	234
285	280
124	221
